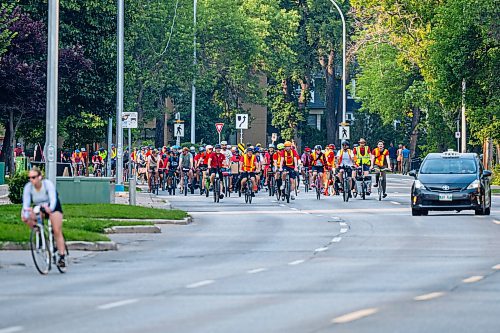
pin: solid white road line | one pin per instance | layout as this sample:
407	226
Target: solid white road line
293	208
496	221
117	304
321	249
354	316
11	329
257	270
296	262
343	224
496	267
343	230
429	296
395	203
473	279
336	239
200	284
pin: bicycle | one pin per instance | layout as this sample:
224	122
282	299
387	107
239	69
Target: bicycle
319	177
153	183
216	189
271	183
43	248
362	183
306	179
185	181
347	184
287	193
380	181
249	191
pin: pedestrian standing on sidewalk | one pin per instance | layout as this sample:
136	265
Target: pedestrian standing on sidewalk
399	157
406	160
393	155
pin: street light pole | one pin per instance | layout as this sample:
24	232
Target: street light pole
464	120
344	98
52	96
119	93
193	89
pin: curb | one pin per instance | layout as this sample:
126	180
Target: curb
133	229
72	245
184	221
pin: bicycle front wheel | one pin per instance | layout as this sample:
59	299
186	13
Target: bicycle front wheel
40	249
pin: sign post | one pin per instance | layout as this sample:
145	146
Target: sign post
241	124
274	137
129	121
219	127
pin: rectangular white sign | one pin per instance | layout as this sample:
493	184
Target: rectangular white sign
129	119
242	121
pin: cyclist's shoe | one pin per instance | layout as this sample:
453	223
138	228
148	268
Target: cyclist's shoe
375	185
221	196
384	195
253	194
292	196
61	263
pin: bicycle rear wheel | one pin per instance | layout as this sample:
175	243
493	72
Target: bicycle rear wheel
40	249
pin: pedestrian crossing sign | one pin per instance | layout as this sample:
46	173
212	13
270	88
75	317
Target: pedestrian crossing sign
344	132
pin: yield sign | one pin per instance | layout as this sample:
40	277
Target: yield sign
219	126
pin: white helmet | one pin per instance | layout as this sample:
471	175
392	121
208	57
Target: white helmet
210	147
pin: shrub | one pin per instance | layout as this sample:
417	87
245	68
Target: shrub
16	186
496	175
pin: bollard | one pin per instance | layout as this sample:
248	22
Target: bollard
131	191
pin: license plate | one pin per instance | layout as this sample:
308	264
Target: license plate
445	197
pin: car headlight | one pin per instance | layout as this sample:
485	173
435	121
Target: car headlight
418	185
474	185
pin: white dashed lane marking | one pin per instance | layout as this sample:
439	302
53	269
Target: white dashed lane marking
354	316
336	239
11	329
496	267
200	284
117	304
395	203
428	297
496	221
257	270
473	279
296	262
321	249
343	230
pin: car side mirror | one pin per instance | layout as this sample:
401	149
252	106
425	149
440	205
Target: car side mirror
487	173
413	173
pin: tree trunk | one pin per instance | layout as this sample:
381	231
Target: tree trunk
160	125
331	116
415	120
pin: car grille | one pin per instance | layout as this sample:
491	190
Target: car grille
439	188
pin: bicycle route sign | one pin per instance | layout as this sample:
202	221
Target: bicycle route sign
242	121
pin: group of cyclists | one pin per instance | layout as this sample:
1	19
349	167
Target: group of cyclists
275	168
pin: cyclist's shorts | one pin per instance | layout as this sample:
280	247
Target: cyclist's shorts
346	168
203	167
365	167
216	170
186	169
171	172
318	168
152	169
290	171
247	174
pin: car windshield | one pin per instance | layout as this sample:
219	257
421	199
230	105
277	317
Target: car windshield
449	166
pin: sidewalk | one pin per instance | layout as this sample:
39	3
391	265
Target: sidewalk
144	199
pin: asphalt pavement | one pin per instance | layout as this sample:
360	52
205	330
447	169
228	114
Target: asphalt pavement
308	266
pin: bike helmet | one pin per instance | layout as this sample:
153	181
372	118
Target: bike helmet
318	147
96	153
201	149
288	144
249	149
192	148
281	146
83	149
307	150
257	149
345	142
77	151
210	147
218	146
271	146
331	146
101	149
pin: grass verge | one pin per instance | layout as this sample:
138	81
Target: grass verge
495	190
83	222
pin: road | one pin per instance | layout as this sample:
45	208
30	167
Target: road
307	266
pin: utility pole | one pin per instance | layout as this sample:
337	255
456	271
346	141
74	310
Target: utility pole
193	88
52	95
464	121
119	96
110	141
344	78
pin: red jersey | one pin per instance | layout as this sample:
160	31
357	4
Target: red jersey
217	160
